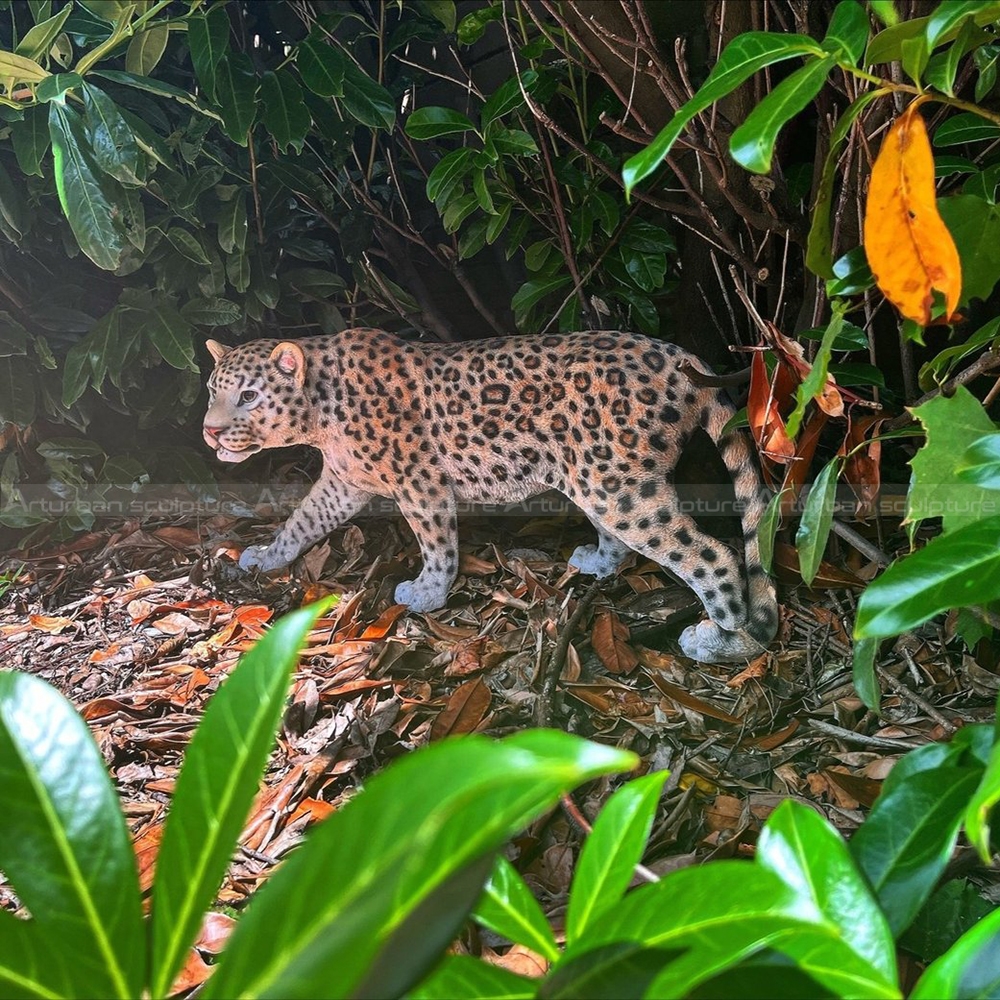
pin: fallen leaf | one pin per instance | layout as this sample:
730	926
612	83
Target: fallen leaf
763	412
610	641
465	711
753	672
909	248
50	623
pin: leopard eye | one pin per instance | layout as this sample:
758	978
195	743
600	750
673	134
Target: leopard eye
248	395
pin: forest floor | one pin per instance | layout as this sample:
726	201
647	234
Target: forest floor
139	624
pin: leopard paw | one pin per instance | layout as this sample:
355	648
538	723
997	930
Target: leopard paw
590	560
261	557
418	595
708	643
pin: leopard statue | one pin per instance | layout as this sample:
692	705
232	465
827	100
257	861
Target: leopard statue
600	417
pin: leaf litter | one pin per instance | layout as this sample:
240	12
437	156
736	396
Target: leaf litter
140	635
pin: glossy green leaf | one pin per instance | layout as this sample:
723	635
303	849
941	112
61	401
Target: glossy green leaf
286	116
172	336
817	517
963	128
448	174
513	142
847	35
908	838
950	14
367	101
952	424
314	282
955	570
975	225
53	88
532	292
431	123
752	144
464	976
742	57
63	840
187	245
509	909
146	49
939	368
863	674
321	66
943	67
91	213
236	92
30	138
16	217
985	798
112	142
819	250
158	87
38	40
415	825
814	383
768	528
216	787
811	858
969	969
611	851
233	224
509	96
208	42
981	462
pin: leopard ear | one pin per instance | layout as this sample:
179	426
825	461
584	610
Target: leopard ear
289	359
217	350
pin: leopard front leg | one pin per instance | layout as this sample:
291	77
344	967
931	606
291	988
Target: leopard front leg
435	524
327	506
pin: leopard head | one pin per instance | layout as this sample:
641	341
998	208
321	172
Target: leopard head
255	392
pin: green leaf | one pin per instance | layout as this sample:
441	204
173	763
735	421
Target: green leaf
981	462
817	517
508	97
952	424
236	92
752	144
513	142
611	851
532	292
864	678
216	787
286	116
509	909
464	976
969	969
15	69
414	826
314	282
366	101
187	246
208	42
952	909
233	224
811	858
975	225
445	178
963	128
443	11
813	384
742	57
942	67
956	570
84	202
905	843
768	528
171	335
63	840
17	391
819	251
146	49
53	88
112	141
36	43
30	138
430	123
947	20
14	210
847	35
321	66
986	796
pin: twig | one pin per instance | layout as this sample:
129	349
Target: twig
581	822
859	542
849	736
911	696
554	667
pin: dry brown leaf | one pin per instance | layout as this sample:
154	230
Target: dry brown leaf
909	248
763	413
753	672
610	641
51	623
689	700
382	625
466	709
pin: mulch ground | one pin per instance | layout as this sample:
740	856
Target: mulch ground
138	625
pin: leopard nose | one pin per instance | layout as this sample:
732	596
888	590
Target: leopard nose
212	432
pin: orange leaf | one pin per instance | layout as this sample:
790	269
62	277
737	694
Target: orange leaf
610	642
765	418
909	248
466	709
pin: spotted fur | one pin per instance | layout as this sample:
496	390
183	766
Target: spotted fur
600	417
